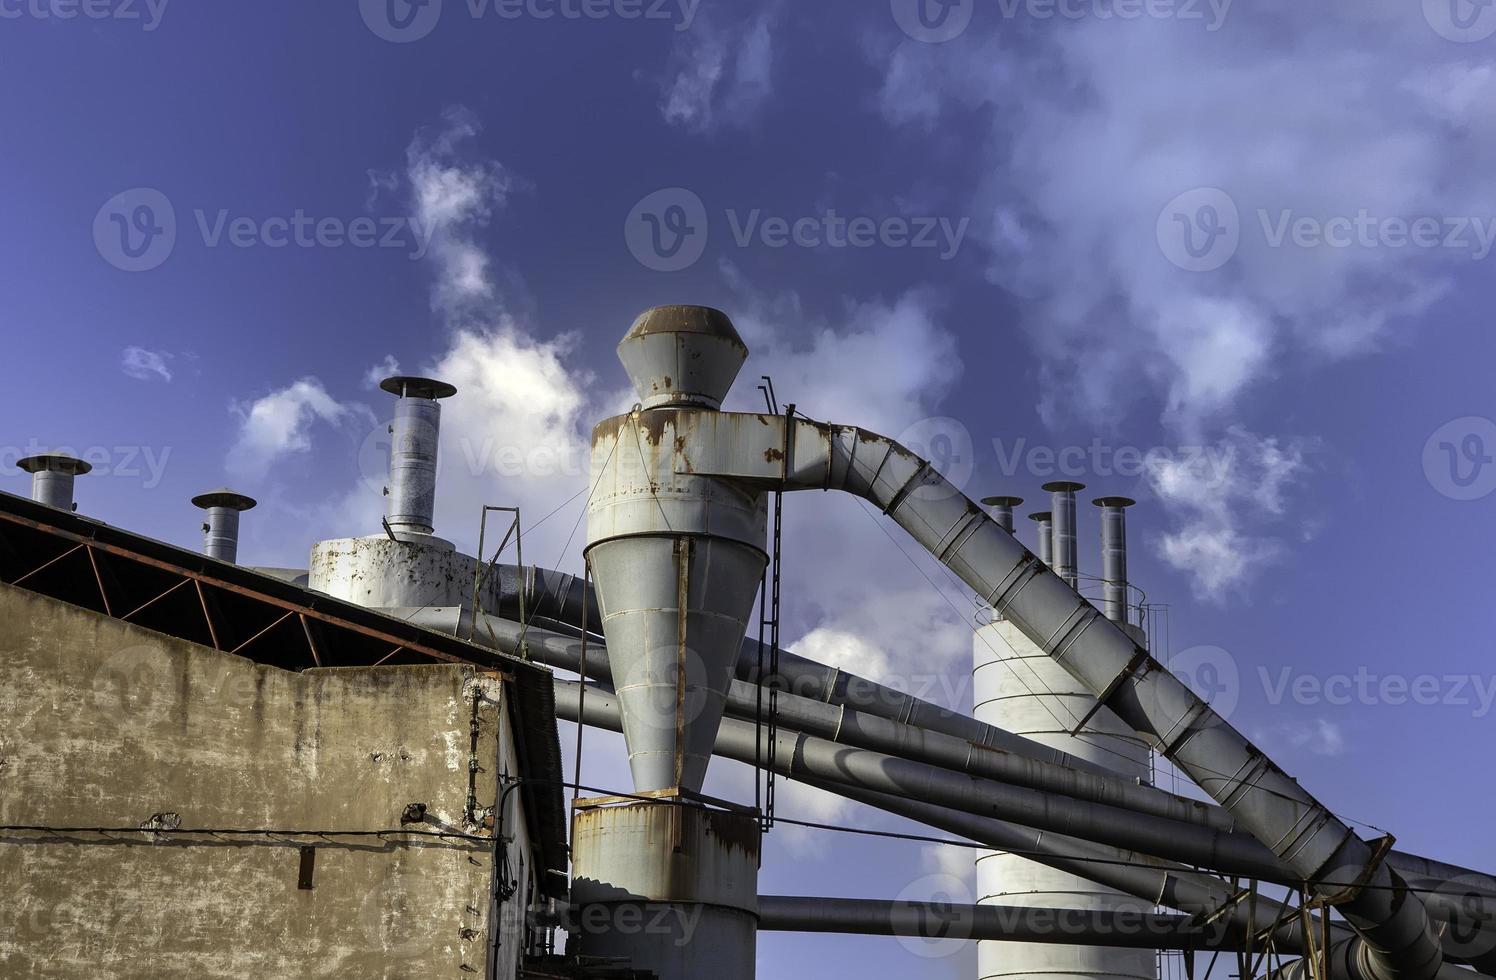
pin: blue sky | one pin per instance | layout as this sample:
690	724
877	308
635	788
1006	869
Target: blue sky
1249	237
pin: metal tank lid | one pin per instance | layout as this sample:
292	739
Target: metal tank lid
54	463
682	356
224	497
412	387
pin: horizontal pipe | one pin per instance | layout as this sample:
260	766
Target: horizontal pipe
998	923
1006	757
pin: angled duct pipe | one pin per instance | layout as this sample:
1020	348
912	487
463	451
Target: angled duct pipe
52	476
414	437
1045	526
790	454
221	529
1114	555
1399	941
1066	554
1002	510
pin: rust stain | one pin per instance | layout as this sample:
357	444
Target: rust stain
773	455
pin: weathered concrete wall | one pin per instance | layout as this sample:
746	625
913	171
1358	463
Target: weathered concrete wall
103	725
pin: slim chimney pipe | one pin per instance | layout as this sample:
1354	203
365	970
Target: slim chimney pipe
1114	555
1002	510
413	447
221	529
52	476
1063	494
1045	520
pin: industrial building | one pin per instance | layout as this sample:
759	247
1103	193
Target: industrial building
353	770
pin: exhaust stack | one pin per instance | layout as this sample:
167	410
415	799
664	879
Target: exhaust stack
221	529
1114	555
1002	510
1045	520
52	476
1066	565
677	558
413	446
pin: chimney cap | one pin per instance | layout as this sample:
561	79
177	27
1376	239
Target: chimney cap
1042	516
223	497
411	387
1063	486
1123	502
682	356
54	463
685	319
1002	501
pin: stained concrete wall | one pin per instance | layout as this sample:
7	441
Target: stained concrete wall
103	725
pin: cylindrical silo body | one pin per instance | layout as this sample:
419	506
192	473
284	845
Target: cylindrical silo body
1020	688
669	888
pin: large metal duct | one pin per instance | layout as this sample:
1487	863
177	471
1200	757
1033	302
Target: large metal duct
677	558
52	477
221	529
743	454
414	438
1066	550
1114	555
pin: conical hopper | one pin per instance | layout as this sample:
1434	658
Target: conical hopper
674	610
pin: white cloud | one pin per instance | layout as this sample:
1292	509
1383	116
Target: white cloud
721	74
145	365
1095	125
281	422
387	368
1216	498
454	194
